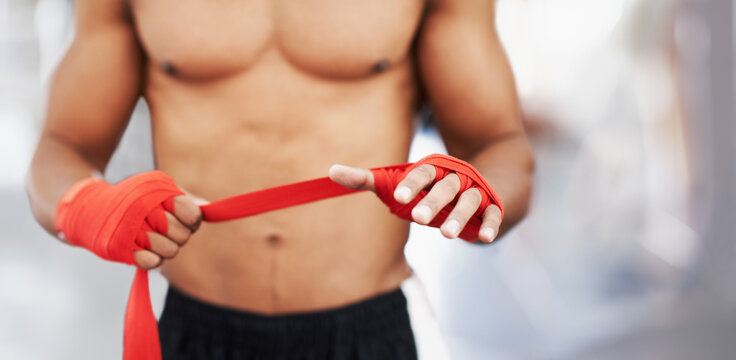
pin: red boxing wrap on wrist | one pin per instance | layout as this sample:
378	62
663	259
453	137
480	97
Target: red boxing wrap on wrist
111	220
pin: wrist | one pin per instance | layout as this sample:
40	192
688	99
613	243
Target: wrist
72	194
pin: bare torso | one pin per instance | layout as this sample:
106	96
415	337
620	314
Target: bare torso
251	94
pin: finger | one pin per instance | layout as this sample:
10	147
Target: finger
162	246
187	211
197	200
414	182
147	259
465	208
491	223
353	178
177	231
442	193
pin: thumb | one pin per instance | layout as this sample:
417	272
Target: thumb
353	178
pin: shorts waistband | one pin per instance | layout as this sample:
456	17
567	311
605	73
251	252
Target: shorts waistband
383	312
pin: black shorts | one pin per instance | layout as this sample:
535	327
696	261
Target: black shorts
376	328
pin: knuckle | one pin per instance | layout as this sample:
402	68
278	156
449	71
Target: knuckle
187	211
461	214
463	209
172	224
419	178
467	205
194	218
178	233
187	218
149	260
415	178
181	237
170	250
162	246
448	185
497	215
431	201
411	181
183	202
493	214
184	239
473	195
453	180
426	172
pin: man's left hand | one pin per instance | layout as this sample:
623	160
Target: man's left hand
440	194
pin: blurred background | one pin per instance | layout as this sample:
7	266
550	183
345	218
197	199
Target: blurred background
628	251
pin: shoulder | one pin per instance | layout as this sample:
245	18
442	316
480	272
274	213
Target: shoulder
469	10
93	15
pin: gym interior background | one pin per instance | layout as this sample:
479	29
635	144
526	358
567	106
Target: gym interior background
628	251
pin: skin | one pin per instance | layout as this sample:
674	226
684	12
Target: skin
271	92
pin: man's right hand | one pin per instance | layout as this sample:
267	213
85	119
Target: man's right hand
140	220
182	223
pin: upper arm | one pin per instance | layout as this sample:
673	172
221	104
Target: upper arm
95	87
467	75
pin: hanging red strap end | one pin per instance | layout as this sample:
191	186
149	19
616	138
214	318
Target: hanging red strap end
141	340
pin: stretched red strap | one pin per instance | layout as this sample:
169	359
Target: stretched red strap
386	180
141	341
274	198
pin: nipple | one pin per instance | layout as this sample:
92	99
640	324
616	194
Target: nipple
381	66
168	68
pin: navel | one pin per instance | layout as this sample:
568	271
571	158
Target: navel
273	240
381	66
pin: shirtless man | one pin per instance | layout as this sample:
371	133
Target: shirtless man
249	94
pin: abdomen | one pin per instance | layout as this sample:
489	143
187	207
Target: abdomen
273	125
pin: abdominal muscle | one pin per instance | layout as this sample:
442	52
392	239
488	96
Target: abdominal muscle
273	125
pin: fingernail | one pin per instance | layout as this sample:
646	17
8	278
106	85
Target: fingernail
421	213
452	227
487	234
402	193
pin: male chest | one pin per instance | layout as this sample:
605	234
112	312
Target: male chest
331	38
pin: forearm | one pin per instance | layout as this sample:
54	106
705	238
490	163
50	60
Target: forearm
507	164
55	167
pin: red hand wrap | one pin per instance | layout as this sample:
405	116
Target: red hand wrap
387	178
111	220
